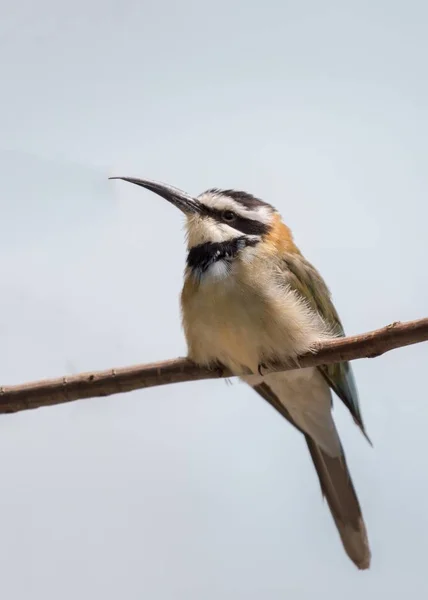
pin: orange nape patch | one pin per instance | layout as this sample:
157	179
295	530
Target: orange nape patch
280	237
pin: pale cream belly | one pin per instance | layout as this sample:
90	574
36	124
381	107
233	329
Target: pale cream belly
242	325
234	327
241	328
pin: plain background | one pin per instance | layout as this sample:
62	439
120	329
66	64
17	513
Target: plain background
200	490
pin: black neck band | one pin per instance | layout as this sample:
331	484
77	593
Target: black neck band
201	257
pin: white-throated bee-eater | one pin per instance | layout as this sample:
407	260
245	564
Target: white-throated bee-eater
250	298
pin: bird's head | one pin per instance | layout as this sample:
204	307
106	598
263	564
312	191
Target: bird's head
221	224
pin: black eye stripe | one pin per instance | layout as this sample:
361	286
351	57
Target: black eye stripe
242	224
250	227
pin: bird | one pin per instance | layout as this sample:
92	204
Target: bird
250	299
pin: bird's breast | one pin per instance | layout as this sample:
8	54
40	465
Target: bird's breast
244	319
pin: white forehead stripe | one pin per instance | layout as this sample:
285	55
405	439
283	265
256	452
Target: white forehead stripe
264	214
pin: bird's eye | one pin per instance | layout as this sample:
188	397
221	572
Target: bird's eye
228	216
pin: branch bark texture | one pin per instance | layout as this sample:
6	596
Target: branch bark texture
115	381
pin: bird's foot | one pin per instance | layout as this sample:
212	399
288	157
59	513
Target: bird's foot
217	369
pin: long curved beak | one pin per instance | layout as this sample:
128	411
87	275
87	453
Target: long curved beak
186	203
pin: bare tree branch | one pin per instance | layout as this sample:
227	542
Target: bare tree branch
114	381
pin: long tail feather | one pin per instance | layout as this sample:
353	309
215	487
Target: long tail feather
337	487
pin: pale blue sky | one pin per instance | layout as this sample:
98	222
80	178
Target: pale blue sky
201	490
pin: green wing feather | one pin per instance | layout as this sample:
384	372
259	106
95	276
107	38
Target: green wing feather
308	283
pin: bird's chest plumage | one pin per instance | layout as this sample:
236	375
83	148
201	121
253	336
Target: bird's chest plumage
243	318
224	321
